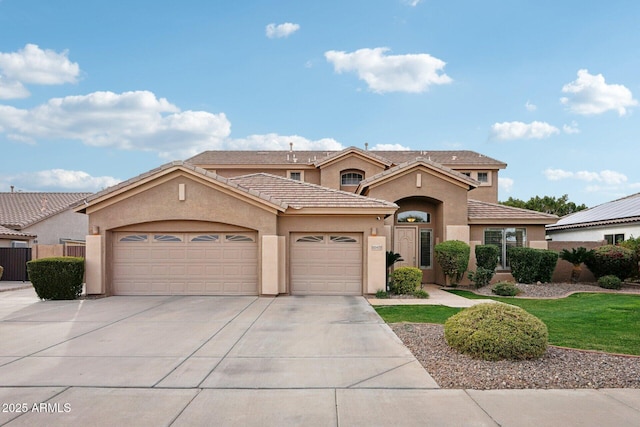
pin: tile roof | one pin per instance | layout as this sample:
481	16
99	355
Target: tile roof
478	210
21	209
451	158
298	195
183	165
418	161
7	232
626	209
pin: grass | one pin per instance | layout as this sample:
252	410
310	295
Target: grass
589	321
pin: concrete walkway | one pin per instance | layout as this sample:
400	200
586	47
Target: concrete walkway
245	361
437	296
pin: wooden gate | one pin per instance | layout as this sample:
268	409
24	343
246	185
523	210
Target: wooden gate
14	261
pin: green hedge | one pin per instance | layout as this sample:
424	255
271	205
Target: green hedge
57	278
405	280
453	258
613	260
487	257
530	265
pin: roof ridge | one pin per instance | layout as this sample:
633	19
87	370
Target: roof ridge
511	207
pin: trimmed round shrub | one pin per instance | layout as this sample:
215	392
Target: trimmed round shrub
57	278
612	260
481	277
495	331
405	280
610	282
487	256
453	258
505	289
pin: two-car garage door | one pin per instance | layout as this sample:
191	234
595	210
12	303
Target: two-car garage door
326	264
185	264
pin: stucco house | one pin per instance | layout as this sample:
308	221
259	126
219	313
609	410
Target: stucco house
40	218
611	222
295	222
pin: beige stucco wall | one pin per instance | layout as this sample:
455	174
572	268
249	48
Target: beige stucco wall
362	224
487	193
65	225
331	173
156	207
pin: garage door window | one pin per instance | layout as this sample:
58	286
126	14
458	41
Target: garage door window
343	239
238	238
310	239
211	238
134	238
166	238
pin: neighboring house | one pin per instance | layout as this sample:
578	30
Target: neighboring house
295	222
612	222
40	218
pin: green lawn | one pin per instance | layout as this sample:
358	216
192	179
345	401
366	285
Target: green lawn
590	321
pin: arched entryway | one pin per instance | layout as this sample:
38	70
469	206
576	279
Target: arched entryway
417	227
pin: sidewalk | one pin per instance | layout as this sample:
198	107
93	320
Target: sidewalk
11	286
437	296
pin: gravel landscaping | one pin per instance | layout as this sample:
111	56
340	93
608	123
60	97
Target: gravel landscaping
559	368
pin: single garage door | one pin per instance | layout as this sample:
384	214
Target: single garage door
185	264
326	264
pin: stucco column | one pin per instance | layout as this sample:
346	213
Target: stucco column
270	264
376	264
458	232
93	265
539	244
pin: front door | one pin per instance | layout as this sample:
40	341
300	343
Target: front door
404	243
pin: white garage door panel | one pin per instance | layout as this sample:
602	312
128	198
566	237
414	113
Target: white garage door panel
326	264
185	264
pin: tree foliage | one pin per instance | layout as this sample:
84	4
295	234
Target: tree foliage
560	206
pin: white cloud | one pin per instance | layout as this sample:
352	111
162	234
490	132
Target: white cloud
32	65
589	94
389	147
412	3
505	184
273	141
507	131
530	107
274	31
129	120
59	180
412	73
557	174
606	176
571	129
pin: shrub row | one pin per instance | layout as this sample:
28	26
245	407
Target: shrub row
529	265
612	260
57	278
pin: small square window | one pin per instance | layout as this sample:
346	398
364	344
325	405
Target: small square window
295	176
483	177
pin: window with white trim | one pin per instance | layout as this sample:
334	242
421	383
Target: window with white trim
614	239
504	238
295	175
351	178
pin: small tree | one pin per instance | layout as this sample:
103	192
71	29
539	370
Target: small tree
487	257
453	258
576	256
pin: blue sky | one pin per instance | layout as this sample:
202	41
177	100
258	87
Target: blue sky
96	92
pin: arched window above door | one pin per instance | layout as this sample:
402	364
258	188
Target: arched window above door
414	217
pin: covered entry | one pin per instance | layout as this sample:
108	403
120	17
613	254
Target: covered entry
326	264
210	263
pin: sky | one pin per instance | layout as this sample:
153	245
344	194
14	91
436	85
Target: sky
96	92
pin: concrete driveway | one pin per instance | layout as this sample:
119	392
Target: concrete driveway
241	361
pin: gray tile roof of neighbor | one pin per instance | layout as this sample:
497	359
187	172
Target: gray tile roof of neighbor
7	232
22	209
626	209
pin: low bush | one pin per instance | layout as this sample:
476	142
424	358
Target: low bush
453	258
405	280
481	277
420	293
380	294
57	278
529	265
610	282
495	331
613	260
505	289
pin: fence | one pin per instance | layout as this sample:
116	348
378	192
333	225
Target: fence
14	261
